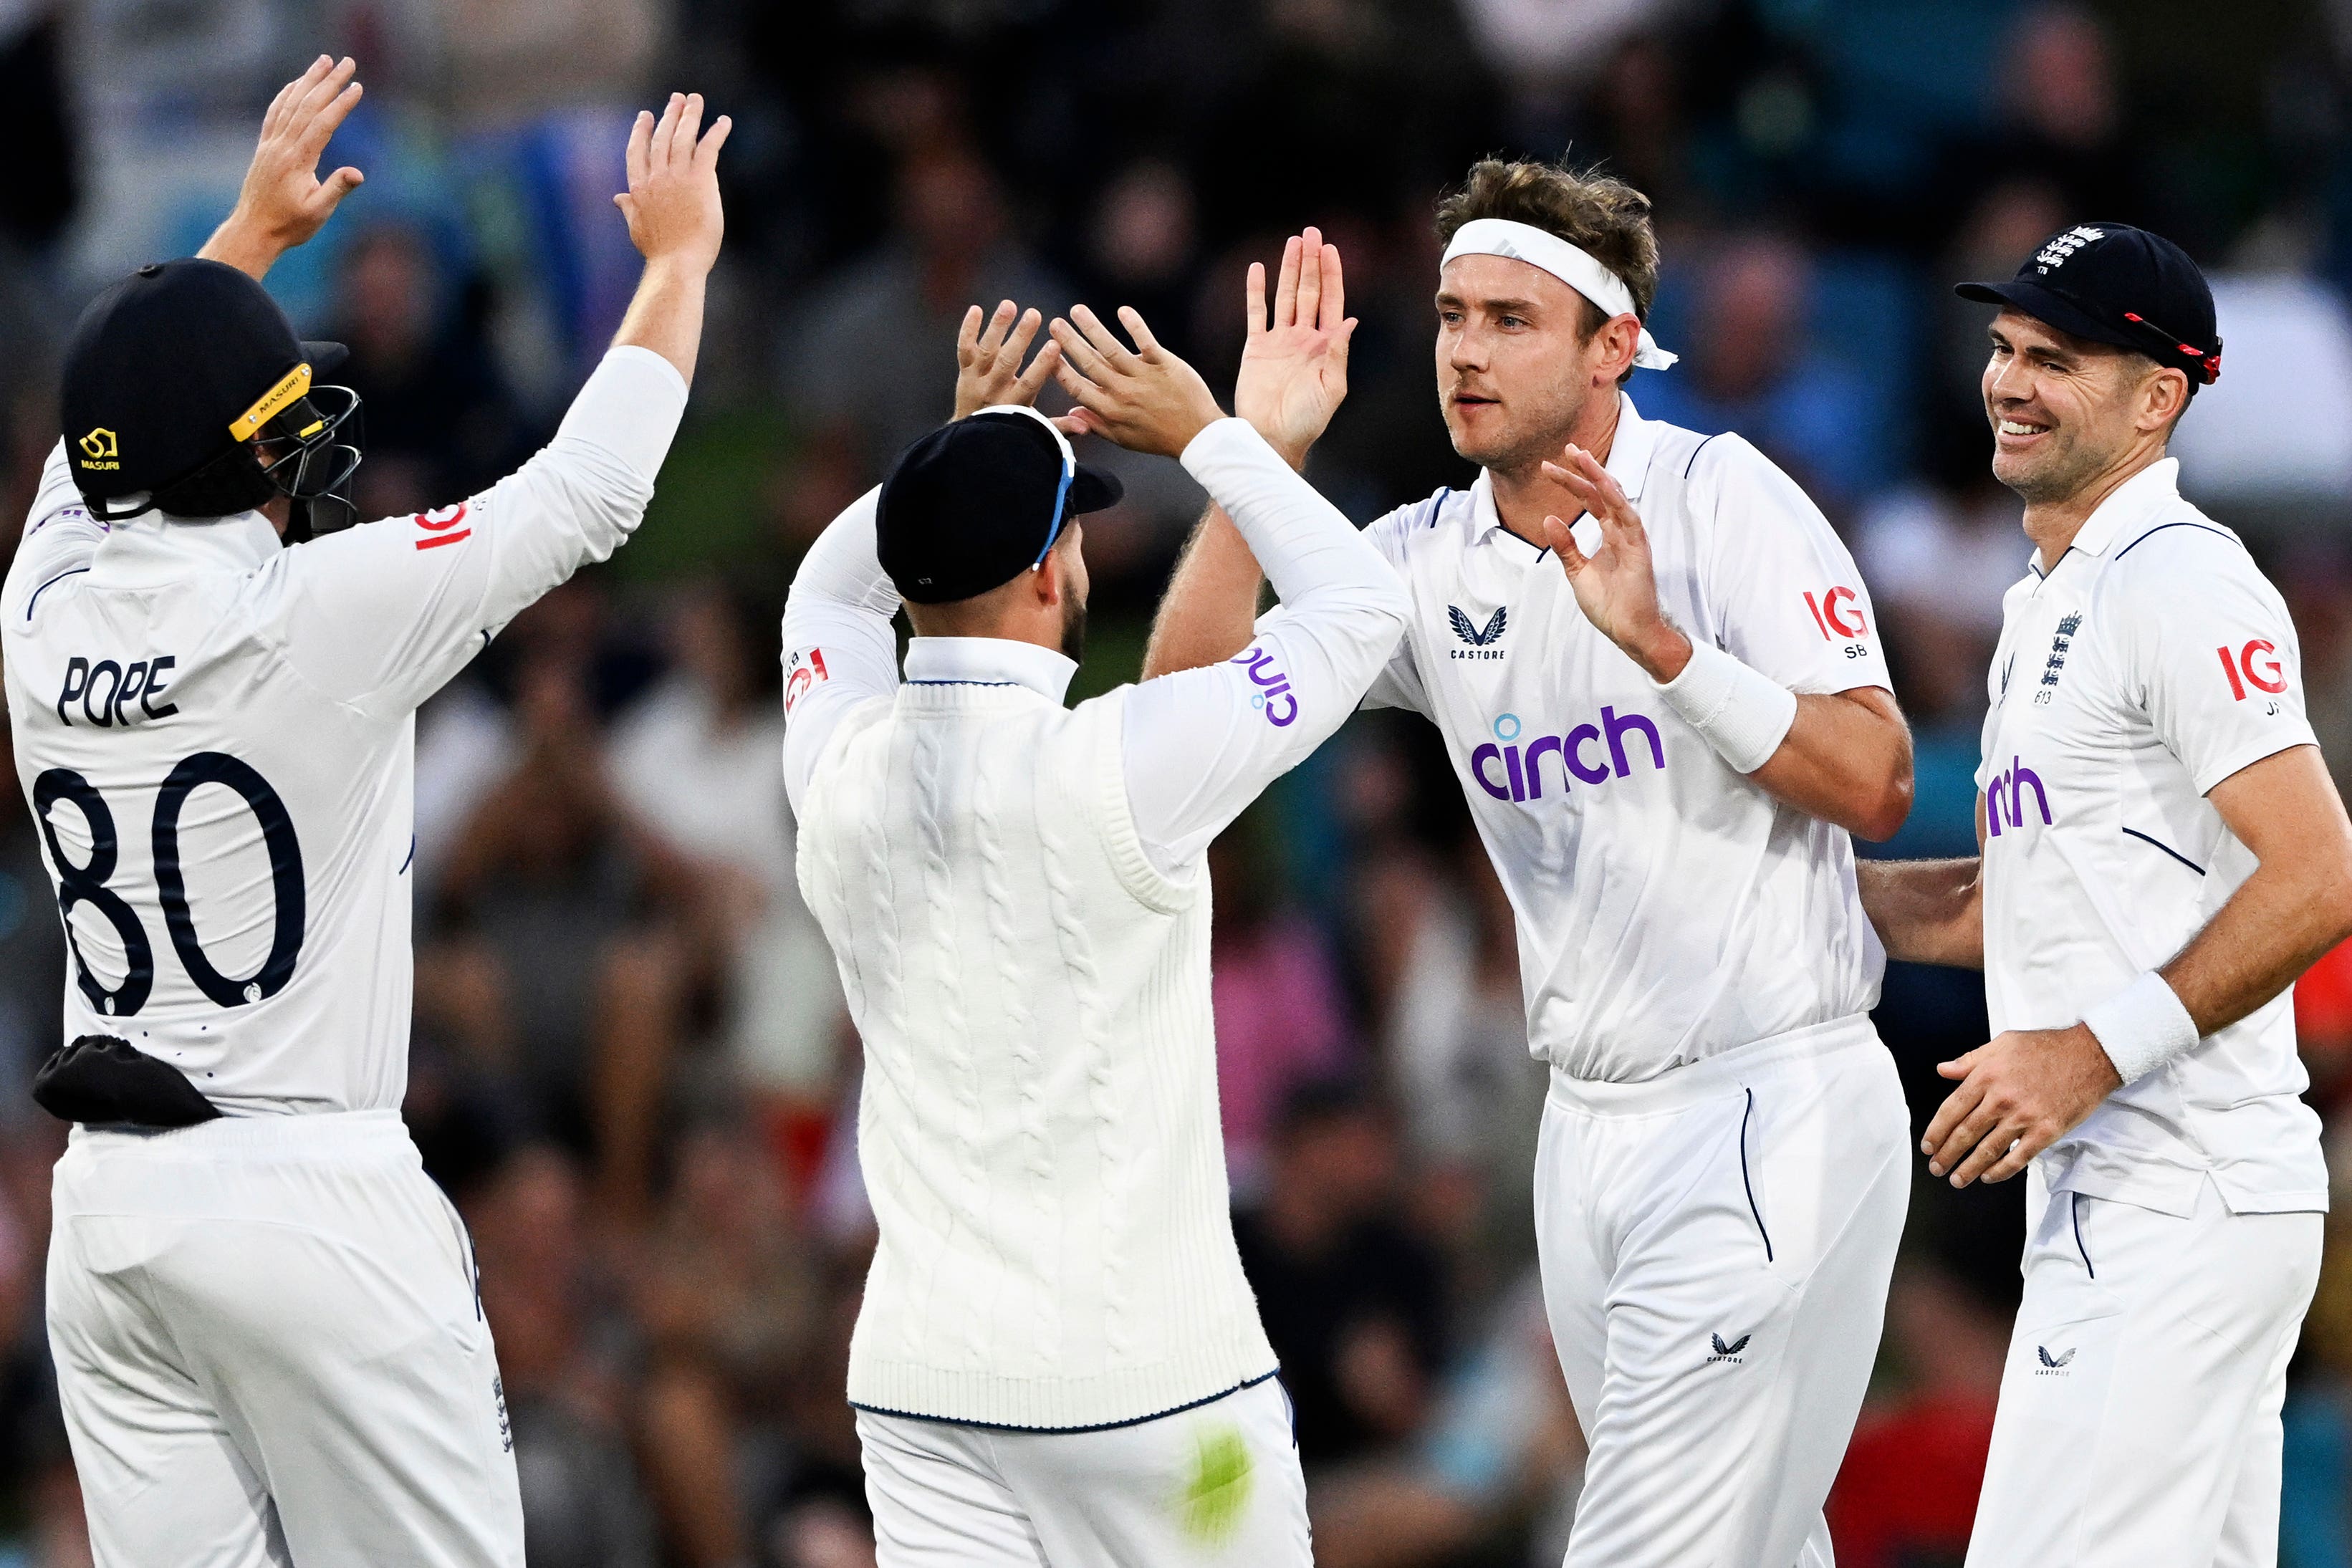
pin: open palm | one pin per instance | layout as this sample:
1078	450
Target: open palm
1293	372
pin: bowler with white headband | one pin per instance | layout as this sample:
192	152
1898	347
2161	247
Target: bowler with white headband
1658	678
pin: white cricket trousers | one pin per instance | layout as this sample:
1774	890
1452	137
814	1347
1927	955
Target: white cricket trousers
1716	1247
1216	1486
271	1351
2139	1411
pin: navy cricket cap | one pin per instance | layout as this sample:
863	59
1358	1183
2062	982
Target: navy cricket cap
2115	284
174	366
977	502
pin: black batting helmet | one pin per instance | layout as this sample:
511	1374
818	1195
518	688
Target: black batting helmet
170	377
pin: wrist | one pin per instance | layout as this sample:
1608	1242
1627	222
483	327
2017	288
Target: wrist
1741	712
243	243
1662	650
2142	1027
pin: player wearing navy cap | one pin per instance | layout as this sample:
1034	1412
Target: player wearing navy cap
268	1343
1058	1359
2162	855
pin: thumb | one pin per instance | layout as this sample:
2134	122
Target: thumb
628	207
334	188
1562	540
1958	1066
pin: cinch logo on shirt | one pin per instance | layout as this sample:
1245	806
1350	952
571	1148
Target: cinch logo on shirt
1276	701
1522	766
2007	791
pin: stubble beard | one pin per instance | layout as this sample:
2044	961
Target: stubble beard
1515	451
1074	632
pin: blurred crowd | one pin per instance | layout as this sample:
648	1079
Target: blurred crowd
631	1066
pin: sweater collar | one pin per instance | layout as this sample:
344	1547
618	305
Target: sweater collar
989	662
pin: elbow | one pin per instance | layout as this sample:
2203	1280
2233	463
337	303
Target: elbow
1881	814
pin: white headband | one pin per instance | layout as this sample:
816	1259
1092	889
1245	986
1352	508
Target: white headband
1575	267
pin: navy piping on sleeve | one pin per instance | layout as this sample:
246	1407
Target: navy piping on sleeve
2168	849
2161	528
2074	1213
60	577
1437	504
1694	456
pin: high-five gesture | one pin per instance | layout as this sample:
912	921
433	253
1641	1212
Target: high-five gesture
1615	586
988	361
283	202
672	202
675	222
1293	372
1144	398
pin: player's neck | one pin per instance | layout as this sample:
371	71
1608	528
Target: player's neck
2052	524
1524	496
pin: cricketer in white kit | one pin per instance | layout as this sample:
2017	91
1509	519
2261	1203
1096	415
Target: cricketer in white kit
2163	852
1058	1359
268	1336
1720	1182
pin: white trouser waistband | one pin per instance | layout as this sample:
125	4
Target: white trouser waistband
1713	1077
309	1135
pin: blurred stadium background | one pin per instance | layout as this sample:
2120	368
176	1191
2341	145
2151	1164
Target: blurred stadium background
632	1067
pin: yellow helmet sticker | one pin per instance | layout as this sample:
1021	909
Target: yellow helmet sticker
99	449
273	402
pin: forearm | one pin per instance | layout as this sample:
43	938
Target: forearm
666	314
2281	920
1846	761
1309	548
1209	611
1926	912
241	244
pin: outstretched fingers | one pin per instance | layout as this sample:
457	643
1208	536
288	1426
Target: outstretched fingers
1079	356
1147	347
1253	299
1032	381
1086	394
1285	288
706	151
1310	277
1334	316
1102	339
641	140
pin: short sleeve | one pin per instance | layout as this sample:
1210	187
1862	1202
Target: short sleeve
1788	598
2211	652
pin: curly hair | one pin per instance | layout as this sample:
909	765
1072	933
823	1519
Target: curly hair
1603	216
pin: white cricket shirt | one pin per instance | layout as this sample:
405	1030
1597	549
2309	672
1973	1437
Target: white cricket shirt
2150	663
216	734
1667	907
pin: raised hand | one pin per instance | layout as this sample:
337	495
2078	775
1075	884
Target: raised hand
988	361
672	202
1144	398
1294	372
1615	586
283	202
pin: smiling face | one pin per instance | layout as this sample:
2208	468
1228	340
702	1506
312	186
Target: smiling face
2065	411
1514	369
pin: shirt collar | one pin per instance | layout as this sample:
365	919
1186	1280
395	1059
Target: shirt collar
2135	501
150	550
989	662
1629	465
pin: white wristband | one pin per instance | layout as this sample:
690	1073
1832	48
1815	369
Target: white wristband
1744	713
2142	1027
